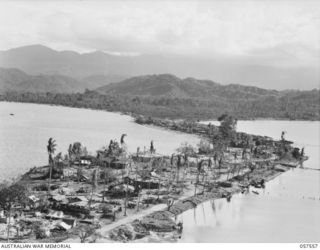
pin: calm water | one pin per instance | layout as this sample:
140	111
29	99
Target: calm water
24	136
288	210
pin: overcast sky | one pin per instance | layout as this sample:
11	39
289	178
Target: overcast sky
283	34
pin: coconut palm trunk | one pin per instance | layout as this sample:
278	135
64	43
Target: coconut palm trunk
230	169
239	169
177	174
196	183
105	181
158	197
126	200
127	187
94	185
50	176
137	187
8	228
51	147
138	205
204	183
178	167
197	179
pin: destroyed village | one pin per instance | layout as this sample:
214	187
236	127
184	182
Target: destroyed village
114	195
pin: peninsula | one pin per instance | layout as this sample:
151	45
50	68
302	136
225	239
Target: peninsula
118	195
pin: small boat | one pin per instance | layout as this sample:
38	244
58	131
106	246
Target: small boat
255	192
11	114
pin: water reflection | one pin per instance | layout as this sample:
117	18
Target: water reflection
286	210
34	123
277	214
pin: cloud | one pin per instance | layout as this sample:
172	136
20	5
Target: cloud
283	33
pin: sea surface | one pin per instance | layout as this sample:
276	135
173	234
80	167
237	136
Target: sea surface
24	134
287	210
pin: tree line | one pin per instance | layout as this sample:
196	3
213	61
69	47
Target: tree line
291	105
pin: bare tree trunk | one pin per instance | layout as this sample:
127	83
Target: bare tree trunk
126	201
183	179
105	183
50	176
90	201
127	186
8	229
68	173
138	186
138	200
177	174
197	180
228	173
204	183
239	169
158	188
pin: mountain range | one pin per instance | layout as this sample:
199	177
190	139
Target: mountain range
41	60
86	80
13	79
163	85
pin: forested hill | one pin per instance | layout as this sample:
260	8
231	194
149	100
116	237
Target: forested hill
291	105
62	77
17	80
12	79
205	98
167	85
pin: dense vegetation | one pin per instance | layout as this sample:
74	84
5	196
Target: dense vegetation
294	105
13	79
163	95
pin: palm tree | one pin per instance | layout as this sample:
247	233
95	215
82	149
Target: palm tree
282	135
70	153
152	149
122	138
171	159
51	148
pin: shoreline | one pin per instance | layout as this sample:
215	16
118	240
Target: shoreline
133	115
253	169
160	212
182	205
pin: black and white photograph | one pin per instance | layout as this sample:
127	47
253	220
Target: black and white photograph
184	121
